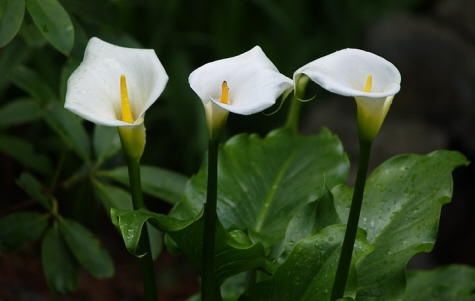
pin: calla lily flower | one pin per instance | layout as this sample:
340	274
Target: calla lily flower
370	79
114	86
243	84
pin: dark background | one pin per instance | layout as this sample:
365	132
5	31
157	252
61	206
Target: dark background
431	42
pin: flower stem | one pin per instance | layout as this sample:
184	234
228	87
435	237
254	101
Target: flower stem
353	219
209	286
293	116
146	262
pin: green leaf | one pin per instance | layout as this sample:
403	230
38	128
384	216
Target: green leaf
112	196
24	153
158	182
130	224
264	182
19	111
234	287
19	228
450	283
11	19
34	189
261	182
70	129
401	210
32	36
106	143
59	265
302	225
53	22
231	289
309	271
13	55
87	249
32	83
234	251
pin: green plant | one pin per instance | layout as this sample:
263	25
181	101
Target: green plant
282	199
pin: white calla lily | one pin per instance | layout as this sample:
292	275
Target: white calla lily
370	79
114	86
243	84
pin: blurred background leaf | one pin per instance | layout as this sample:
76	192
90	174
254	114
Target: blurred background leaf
59	266
19	228
11	18
86	249
53	22
158	182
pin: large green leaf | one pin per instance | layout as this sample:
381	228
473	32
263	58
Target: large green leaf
401	210
303	224
53	22
19	111
23	151
450	283
59	265
161	183
263	182
70	129
309	271
11	19
87	249
19	228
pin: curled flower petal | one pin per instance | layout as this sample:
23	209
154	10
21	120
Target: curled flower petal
94	88
370	79
345	72
253	80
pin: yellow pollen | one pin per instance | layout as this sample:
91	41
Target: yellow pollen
126	110
224	93
368	84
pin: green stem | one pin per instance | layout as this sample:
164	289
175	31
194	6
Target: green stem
209	286
352	225
146	262
135	183
294	114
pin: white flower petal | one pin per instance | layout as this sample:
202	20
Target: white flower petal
94	87
344	72
254	82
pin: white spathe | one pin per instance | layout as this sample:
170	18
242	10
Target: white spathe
370	79
345	72
253	80
93	89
